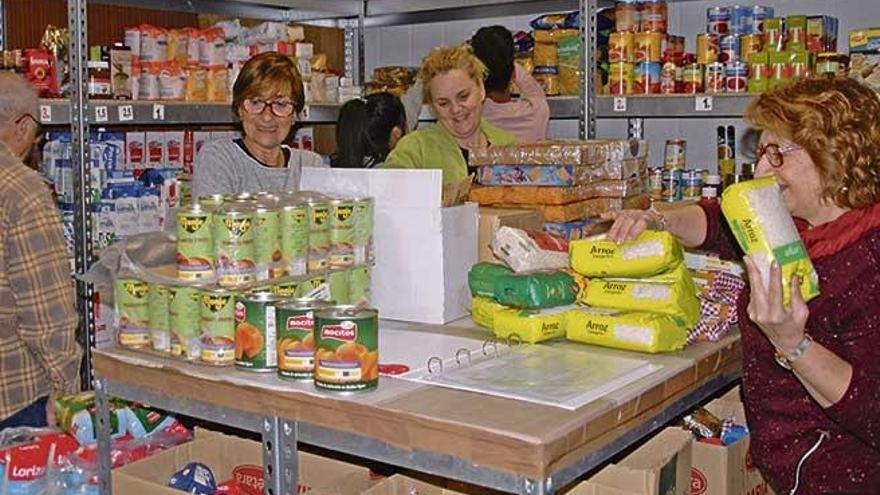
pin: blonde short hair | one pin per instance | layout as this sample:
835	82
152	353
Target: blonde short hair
443	59
17	98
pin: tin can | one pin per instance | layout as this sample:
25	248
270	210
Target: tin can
211	201
670	78
692	184
647	78
675	154
255	333
626	16
314	286
359	285
773	34
707	48
294	219
718	21
217	325
761	13
346	349
234	245
828	63
653	16
737	77
674	47
715	82
267	240
157	303
319	236
671	185
621	46
796	32
729	48
295	327
742	20
655	183
184	315
195	243
133	313
649	47
342	221
338	280
800	64
620	78
363	231
692	79
749	44
286	290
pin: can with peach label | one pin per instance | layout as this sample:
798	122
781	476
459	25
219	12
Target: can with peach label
346	349
295	330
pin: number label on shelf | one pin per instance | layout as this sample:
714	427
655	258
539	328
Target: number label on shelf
126	113
45	113
619	103
101	114
158	111
703	104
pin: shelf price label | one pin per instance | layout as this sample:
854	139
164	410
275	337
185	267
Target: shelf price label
703	103
45	113
101	114
158	111
619	104
126	113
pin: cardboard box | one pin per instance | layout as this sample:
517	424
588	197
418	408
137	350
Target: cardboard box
661	466
403	485
223	453
423	251
492	219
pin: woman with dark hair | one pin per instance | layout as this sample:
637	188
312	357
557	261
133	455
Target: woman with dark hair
367	130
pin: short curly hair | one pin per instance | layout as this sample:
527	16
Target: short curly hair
837	121
268	71
443	59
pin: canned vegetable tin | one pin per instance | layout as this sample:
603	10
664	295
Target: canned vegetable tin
132	309
342	221
234	245
319	236
346	349
211	201
621	45
217	325
157	303
729	48
718	20
184	310
267	239
363	230
692	184
715	82
707	48
742	19
295	237
672	185
255	332
675	154
286	290
195	243
761	14
295	325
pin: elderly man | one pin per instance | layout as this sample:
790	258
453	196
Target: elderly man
39	355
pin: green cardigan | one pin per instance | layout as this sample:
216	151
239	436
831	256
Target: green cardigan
434	148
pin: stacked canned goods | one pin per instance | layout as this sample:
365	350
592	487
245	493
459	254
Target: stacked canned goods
637	46
674	162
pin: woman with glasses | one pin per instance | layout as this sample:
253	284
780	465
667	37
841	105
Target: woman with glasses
811	372
266	98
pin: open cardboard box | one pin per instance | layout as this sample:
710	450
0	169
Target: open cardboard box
492	219
404	485
224	453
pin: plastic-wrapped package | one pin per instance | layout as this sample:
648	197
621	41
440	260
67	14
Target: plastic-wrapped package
556	195
25	456
562	152
484	310
652	253
765	230
719	286
556	21
536	290
172	82
584	209
710	263
558	175
577	229
529	325
394	75
483	276
635	331
529	251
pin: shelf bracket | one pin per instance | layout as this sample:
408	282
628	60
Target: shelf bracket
104	433
280	460
635	128
588	37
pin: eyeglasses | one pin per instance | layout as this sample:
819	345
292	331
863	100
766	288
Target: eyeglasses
38	136
280	108
775	153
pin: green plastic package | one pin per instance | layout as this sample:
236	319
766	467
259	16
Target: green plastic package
536	290
483	276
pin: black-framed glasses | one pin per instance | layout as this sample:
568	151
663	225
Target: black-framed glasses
280	108
775	153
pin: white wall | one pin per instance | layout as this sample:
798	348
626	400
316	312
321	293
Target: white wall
406	45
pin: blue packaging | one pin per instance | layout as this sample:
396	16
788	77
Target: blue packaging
742	20
195	479
761	13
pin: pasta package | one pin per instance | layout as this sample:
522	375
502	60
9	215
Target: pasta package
634	331
482	278
549	195
652	253
529	325
537	290
562	152
484	310
672	294
765	230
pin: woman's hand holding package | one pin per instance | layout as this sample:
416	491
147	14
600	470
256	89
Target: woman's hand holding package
629	224
785	327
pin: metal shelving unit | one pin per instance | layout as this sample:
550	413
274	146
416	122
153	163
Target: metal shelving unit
678	106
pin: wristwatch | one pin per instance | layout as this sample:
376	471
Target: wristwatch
785	360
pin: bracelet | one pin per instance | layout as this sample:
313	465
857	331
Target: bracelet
660	220
785	360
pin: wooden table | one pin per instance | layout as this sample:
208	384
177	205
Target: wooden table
500	443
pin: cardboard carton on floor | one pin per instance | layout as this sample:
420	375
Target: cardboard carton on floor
404	485
423	250
661	466
223	454
492	219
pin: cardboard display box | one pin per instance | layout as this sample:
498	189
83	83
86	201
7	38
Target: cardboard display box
662	466
492	219
404	485
223	453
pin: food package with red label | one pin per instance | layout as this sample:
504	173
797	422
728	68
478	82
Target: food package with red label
39	67
24	456
529	251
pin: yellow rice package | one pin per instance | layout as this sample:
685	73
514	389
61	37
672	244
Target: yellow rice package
634	331
765	230
672	293
483	311
531	325
652	253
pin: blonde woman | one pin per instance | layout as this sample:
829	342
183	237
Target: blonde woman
453	84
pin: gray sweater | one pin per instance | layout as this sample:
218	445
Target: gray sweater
223	167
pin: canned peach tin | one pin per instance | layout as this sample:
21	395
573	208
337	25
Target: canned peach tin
255	332
346	349
295	329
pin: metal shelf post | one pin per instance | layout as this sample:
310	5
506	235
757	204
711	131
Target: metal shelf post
589	42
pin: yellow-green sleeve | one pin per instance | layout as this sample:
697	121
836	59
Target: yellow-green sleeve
407	154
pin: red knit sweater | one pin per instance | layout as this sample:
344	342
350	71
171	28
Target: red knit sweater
783	418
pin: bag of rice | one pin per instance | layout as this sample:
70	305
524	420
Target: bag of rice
643	332
765	230
537	290
652	253
483	276
483	311
530	325
671	294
